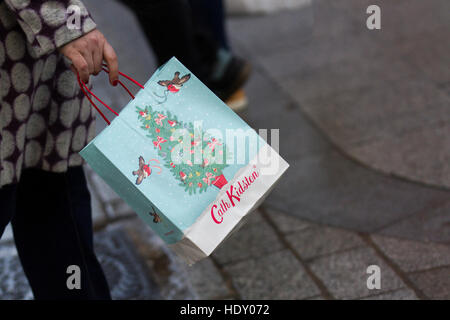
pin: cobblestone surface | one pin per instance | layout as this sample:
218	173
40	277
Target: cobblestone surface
273	276
400	294
369	91
251	241
318	240
345	276
414	256
124	270
435	284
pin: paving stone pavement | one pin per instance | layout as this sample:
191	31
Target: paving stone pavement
303	260
358	112
331	217
378	95
125	271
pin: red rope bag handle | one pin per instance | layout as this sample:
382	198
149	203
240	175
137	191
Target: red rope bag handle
86	90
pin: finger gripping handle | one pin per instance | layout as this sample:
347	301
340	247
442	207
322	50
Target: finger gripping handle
85	89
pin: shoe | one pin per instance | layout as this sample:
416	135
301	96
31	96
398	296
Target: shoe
238	101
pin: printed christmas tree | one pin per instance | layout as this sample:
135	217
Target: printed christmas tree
161	127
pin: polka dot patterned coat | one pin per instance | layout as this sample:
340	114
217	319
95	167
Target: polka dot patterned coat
44	118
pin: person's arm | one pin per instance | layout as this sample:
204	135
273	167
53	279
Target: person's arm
45	24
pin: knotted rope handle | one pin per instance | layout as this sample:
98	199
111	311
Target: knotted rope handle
85	88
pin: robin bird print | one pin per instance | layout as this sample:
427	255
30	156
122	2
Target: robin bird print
144	170
156	217
176	83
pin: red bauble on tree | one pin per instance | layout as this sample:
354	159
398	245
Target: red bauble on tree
182	176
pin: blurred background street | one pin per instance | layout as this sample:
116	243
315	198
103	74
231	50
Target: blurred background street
364	119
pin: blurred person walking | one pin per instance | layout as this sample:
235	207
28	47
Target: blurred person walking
44	122
229	72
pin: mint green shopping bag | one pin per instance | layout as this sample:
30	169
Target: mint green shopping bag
169	155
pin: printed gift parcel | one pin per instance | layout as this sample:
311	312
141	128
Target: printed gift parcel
186	163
